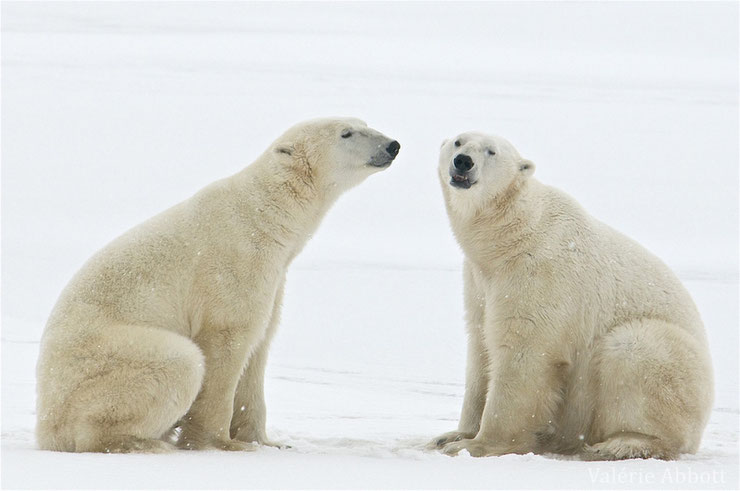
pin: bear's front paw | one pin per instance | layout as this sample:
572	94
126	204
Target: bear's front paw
234	446
260	439
475	448
265	443
450	436
189	439
216	444
278	445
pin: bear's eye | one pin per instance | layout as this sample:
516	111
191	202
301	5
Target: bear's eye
346	134
457	143
491	152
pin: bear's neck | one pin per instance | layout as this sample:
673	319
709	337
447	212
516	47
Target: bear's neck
289	201
500	231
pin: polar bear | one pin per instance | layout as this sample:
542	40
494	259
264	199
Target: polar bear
579	340
169	325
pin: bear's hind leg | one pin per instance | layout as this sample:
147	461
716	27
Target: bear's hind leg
134	385
629	446
653	392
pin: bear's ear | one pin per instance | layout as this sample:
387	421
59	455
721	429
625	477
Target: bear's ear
286	149
444	142
526	167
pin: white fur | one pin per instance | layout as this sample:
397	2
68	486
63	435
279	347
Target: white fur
170	323
579	340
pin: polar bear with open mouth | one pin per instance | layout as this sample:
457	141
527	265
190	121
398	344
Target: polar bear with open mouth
170	323
580	341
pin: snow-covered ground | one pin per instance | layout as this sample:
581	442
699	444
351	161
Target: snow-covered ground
112	112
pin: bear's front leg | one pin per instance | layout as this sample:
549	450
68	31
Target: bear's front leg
476	387
524	394
207	423
250	414
476	371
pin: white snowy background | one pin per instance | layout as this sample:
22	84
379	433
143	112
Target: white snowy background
112	112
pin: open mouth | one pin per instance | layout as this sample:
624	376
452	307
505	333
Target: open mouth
460	181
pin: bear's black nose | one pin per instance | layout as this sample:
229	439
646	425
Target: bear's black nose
463	162
393	148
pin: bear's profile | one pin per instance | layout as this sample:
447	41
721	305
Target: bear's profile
170	323
580	341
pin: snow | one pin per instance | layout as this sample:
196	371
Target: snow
112	112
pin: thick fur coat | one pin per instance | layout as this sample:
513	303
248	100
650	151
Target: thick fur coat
579	339
169	325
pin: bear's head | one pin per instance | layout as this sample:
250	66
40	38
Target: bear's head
475	167
340	152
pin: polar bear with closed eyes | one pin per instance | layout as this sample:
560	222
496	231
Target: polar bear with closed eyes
169	325
580	341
